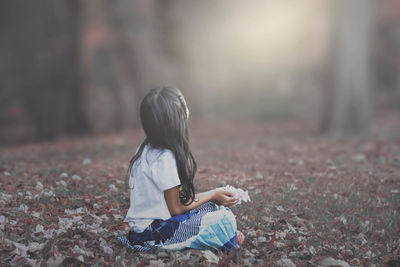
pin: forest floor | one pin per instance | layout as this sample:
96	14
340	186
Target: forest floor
315	200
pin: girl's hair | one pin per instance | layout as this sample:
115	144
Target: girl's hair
164	116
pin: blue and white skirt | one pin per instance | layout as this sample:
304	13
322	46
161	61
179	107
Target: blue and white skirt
209	226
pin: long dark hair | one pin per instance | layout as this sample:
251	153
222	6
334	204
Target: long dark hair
164	116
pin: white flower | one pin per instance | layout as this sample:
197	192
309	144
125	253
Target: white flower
238	193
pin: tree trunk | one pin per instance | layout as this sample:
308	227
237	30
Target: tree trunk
44	63
116	50
348	82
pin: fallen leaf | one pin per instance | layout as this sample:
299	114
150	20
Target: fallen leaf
327	262
210	257
285	262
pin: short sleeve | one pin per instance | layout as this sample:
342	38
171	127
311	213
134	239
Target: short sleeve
165	171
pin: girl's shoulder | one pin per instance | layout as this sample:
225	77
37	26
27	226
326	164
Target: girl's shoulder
161	162
158	155
164	155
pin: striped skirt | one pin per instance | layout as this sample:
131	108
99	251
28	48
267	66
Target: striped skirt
209	226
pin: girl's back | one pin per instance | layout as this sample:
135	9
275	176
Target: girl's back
153	173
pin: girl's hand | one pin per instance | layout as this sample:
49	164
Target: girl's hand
224	198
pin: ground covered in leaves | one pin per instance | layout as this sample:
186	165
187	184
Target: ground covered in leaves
315	200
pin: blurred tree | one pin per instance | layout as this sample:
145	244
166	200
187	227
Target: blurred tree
118	50
174	60
348	82
387	54
43	63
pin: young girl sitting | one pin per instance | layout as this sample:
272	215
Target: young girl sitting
165	212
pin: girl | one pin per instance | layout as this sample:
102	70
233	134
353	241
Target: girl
165	212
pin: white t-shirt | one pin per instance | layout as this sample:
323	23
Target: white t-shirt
153	173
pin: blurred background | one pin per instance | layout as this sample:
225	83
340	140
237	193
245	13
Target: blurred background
82	67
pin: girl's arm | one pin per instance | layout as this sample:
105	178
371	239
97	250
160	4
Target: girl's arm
175	206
